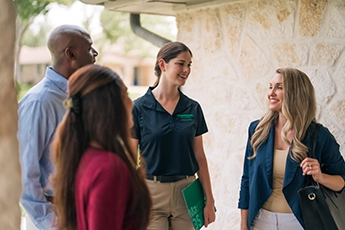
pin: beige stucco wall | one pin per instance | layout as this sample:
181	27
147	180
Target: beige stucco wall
237	47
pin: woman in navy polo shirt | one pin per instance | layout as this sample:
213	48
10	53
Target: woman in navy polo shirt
168	128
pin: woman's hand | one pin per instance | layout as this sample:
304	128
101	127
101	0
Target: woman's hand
244	226
311	166
209	214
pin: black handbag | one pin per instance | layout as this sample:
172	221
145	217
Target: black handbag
322	208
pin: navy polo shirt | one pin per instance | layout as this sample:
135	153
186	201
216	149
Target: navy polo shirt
165	140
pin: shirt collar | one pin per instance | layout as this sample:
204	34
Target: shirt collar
149	101
60	81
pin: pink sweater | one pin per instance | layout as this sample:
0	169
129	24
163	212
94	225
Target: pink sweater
103	192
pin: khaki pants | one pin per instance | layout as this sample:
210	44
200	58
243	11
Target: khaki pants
169	209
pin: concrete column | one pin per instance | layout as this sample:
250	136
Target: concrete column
10	180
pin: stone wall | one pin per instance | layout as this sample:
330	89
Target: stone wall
10	181
237	47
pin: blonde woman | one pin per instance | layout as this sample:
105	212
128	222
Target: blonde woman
276	159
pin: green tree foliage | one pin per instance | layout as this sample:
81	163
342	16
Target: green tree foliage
116	28
27	10
32	39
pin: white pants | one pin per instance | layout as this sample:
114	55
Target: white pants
266	220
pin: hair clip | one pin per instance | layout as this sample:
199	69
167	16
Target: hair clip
68	103
73	103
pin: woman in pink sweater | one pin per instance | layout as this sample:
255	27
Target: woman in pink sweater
97	185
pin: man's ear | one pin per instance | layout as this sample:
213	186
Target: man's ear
70	54
161	64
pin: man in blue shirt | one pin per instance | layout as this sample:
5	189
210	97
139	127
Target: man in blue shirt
40	111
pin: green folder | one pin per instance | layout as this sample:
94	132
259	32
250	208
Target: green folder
195	201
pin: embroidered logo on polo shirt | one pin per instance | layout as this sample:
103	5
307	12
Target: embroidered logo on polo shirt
185	117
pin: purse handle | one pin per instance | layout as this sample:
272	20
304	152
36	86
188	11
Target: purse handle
313	146
309	178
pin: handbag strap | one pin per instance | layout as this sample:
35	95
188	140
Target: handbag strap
313	145
310	154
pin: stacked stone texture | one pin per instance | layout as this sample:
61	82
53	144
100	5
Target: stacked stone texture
237	46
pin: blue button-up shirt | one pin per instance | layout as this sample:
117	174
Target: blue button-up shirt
40	111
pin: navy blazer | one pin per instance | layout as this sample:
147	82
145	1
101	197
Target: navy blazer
257	177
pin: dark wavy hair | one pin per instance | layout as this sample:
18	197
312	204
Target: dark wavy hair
169	51
98	114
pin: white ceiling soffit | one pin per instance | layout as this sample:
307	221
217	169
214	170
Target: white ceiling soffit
161	7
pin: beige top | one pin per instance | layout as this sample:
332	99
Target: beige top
277	202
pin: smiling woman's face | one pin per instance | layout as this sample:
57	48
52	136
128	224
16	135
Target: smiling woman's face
177	69
276	93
